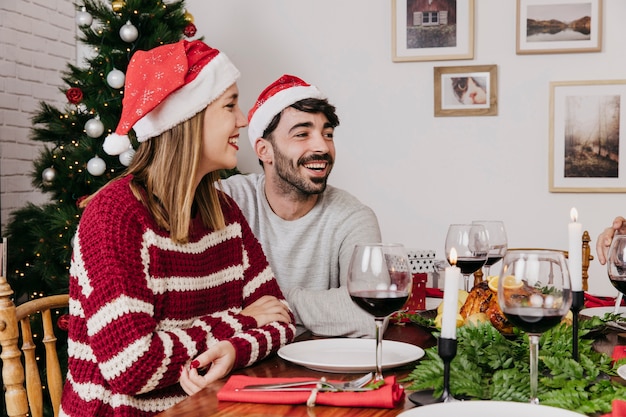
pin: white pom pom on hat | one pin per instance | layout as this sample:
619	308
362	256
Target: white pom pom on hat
279	95
166	86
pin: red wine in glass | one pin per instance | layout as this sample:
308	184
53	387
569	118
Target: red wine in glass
469	265
533	321
380	303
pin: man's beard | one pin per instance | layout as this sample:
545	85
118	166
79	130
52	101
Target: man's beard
290	174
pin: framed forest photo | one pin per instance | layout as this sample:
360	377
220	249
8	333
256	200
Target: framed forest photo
432	30
587	136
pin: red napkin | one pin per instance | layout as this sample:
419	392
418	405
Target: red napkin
619	352
596	301
434	293
387	396
619	409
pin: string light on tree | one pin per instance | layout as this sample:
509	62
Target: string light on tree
115	78
129	33
83	18
96	166
94	127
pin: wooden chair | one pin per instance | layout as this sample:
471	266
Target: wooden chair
19	365
586	255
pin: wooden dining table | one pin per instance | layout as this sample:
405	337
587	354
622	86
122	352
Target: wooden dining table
205	402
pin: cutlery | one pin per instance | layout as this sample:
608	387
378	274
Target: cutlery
322	384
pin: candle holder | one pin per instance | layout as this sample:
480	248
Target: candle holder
447	351
578	301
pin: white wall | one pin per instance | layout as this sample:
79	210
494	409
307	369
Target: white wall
418	172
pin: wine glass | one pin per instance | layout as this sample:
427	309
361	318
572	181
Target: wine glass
616	264
534	293
379	281
497	242
471	245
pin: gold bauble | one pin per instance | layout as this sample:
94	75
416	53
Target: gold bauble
188	17
117	5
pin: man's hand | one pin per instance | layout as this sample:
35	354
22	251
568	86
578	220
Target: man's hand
606	237
266	310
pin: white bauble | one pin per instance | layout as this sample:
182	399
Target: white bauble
96	166
115	78
83	18
129	33
126	157
94	128
48	175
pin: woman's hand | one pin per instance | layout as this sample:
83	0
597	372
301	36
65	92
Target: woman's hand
219	359
266	310
606	237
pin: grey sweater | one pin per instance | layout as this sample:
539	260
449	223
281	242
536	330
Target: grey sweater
310	255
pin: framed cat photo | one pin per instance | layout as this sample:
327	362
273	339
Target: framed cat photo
558	26
466	90
432	30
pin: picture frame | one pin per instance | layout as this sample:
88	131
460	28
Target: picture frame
466	90
587	136
558	26
424	30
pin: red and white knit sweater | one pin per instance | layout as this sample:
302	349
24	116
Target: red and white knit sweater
142	306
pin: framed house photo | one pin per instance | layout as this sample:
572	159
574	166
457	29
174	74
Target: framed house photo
432	30
587	136
558	26
466	90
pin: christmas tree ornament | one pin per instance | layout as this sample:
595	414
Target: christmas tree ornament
94	127
129	33
115	78
190	30
48	175
188	17
96	166
83	18
126	157
117	5
74	95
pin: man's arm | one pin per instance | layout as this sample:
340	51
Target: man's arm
606	237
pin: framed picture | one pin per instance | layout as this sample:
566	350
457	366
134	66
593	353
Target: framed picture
558	26
466	91
587	136
432	30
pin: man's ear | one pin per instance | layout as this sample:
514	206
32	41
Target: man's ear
264	150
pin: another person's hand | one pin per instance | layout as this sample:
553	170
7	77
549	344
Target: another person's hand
219	359
606	237
266	310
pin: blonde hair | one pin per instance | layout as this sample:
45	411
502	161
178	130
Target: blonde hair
164	169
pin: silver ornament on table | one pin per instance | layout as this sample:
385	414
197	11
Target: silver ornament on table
48	175
94	127
115	78
96	166
126	157
83	18
129	33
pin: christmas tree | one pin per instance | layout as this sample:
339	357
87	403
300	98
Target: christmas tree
73	165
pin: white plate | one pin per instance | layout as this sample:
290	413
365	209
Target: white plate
348	355
621	371
487	408
601	311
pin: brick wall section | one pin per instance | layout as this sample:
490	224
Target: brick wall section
37	40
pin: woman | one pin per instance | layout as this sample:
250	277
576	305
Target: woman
165	267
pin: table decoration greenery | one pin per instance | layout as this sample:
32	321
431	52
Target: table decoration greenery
490	366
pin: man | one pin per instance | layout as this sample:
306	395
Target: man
606	237
307	228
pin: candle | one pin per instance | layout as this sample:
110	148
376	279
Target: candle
450	298
575	256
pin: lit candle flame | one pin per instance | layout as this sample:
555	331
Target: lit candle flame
574	214
453	256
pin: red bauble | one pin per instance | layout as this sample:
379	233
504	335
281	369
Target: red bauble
74	95
190	30
63	322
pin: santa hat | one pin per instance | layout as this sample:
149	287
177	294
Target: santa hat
166	86
279	95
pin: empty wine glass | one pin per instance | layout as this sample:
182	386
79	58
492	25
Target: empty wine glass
616	263
534	293
471	245
497	242
379	281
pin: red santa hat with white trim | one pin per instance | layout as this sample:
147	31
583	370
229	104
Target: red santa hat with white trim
279	95
166	86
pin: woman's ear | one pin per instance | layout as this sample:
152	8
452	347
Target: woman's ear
264	150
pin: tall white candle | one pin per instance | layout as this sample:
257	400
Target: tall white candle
450	298
575	255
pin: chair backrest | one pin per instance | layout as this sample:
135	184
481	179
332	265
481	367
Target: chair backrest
587	258
20	373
